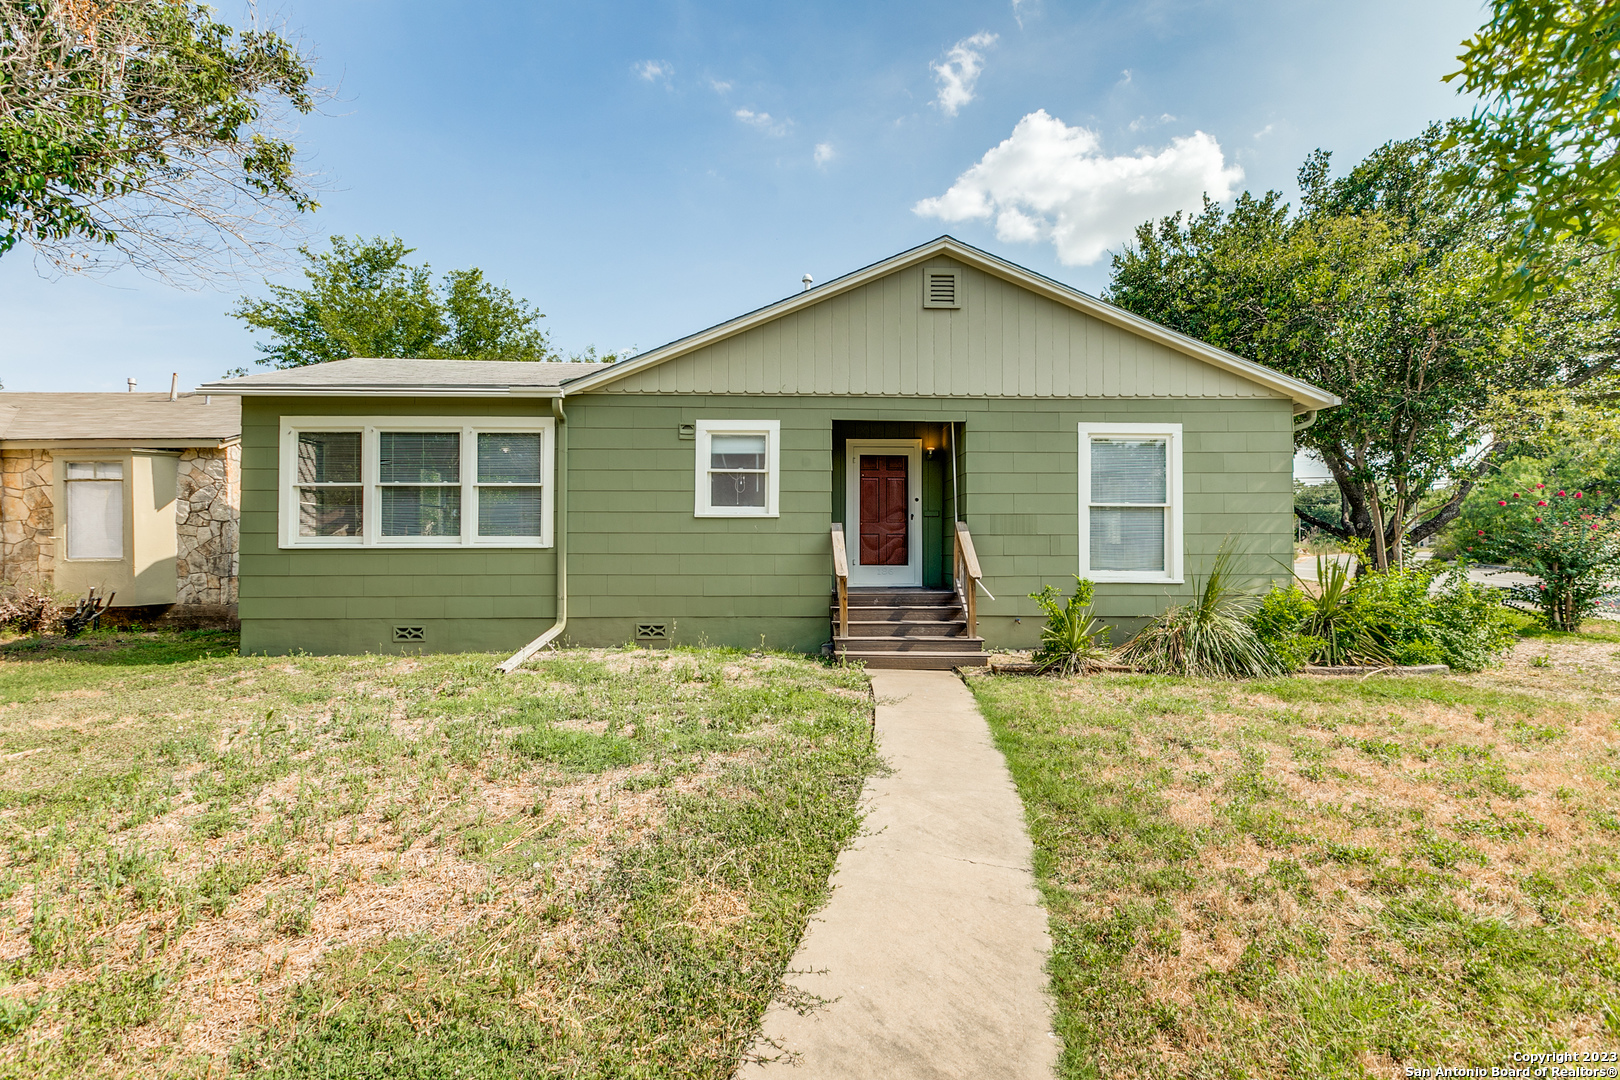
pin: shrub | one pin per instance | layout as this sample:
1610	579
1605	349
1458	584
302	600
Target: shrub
1211	637
1339	619
1397	617
1071	640
1277	622
1551	535
29	611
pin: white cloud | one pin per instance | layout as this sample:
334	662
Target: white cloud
653	70
959	72
824	153
719	86
1146	122
764	121
1267	130
1049	181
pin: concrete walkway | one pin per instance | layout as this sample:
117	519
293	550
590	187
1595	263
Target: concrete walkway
931	951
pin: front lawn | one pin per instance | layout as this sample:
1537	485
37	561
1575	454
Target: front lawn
374	866
1326	877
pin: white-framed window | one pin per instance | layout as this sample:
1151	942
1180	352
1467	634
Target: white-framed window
1130	502
95	509
738	468
416	481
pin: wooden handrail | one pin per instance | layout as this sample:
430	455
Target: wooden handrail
841	572
965	574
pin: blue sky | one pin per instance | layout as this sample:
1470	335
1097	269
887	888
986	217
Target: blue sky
643	170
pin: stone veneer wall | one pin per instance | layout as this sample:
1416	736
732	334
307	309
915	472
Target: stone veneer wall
27	551
207	508
208	502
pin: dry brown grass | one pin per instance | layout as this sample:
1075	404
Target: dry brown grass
292	818
1338	878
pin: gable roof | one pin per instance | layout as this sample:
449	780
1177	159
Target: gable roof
1304	395
407	377
118	419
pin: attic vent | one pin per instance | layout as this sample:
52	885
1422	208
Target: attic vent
410	633
942	289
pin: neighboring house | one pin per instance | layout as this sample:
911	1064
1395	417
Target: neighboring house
133	494
697	493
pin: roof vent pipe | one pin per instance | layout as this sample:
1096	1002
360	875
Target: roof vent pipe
131	385
808	281
174	387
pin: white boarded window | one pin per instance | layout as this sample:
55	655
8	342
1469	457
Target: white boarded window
416	482
738	468
1130	502
95	509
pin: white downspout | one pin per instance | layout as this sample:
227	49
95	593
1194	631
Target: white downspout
515	661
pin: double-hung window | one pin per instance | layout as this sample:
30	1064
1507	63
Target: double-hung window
1130	502
95	509
738	468
409	482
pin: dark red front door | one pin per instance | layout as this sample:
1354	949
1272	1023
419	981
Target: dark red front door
883	510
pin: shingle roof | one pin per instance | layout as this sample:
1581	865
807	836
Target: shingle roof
134	419
361	376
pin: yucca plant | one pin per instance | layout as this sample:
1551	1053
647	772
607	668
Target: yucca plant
1209	638
1338	617
1071	641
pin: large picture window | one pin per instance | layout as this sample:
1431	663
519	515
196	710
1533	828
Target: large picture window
738	468
1130	502
412	482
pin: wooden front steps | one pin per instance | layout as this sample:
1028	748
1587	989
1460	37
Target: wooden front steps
907	628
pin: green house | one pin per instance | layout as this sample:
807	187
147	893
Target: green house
932	438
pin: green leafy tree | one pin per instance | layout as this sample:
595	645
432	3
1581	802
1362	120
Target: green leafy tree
146	131
1379	289
363	298
1543	146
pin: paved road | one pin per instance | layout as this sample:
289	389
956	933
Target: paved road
931	952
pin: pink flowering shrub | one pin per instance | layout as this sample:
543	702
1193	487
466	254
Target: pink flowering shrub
1574	554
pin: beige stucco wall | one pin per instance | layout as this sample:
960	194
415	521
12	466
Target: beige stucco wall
197	537
27	551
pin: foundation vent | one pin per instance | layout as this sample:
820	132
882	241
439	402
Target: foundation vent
652	631
410	633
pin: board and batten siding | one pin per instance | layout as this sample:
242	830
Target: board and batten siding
1004	341
348	600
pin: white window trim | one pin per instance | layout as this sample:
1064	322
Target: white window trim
772	430
1172	574
371	428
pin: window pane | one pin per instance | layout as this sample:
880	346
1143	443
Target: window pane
1127	538
508	511
95	470
508	459
331	511
419	457
737	452
736	489
328	457
95	519
421	511
1128	471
